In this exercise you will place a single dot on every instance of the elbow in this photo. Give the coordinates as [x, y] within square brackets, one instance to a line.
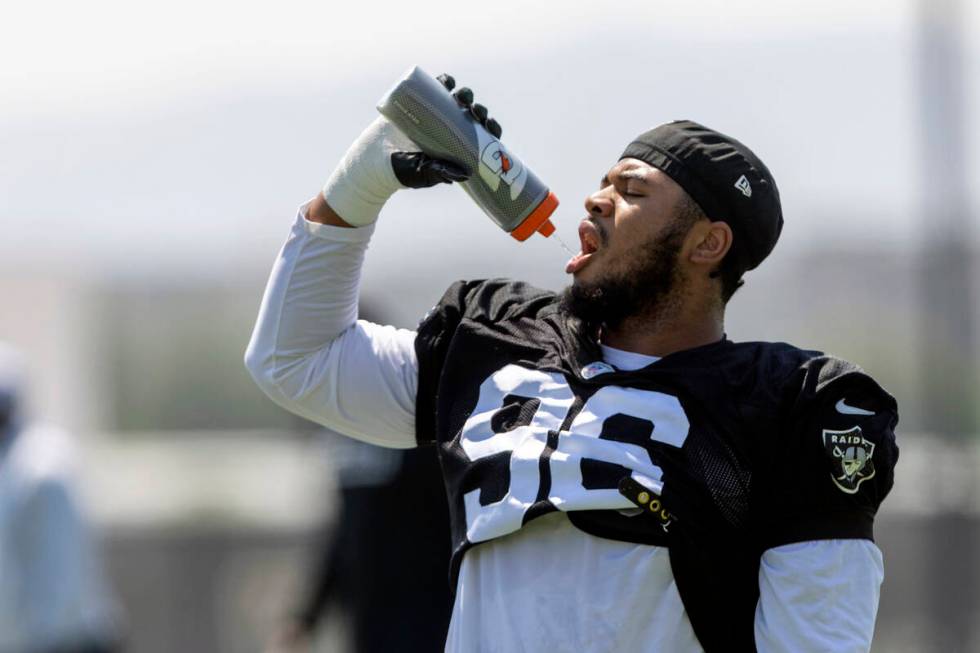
[283, 379]
[260, 363]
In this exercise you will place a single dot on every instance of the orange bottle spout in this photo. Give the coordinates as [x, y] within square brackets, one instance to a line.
[538, 221]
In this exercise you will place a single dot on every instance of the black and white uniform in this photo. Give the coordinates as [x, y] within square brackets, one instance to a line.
[720, 498]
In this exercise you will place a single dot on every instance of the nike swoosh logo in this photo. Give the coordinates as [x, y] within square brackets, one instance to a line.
[844, 409]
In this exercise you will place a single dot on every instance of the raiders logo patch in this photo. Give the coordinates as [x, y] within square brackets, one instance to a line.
[850, 455]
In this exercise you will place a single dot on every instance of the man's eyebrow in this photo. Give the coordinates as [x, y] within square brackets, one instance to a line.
[634, 173]
[630, 173]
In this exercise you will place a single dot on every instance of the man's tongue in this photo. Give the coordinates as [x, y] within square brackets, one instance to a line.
[577, 262]
[589, 235]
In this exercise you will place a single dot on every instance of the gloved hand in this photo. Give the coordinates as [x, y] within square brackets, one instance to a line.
[383, 160]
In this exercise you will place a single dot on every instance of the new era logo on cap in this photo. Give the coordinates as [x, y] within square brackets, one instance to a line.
[743, 185]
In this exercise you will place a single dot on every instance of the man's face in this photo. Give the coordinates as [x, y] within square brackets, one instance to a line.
[630, 245]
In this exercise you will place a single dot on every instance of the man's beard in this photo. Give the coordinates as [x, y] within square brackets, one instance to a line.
[646, 288]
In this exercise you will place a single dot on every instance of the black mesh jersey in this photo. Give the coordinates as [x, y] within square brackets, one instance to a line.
[718, 452]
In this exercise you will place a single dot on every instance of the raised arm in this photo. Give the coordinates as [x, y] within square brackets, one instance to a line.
[309, 353]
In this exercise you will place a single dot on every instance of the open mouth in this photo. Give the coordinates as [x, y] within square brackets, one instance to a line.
[590, 238]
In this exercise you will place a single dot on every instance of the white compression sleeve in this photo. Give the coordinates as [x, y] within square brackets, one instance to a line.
[364, 180]
[311, 355]
[818, 596]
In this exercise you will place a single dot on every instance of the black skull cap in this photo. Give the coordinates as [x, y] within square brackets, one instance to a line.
[726, 179]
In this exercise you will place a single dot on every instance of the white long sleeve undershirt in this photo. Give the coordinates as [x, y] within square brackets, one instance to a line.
[312, 356]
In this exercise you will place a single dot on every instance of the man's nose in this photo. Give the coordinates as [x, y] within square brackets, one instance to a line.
[598, 205]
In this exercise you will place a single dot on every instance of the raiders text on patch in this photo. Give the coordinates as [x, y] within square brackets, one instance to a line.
[850, 454]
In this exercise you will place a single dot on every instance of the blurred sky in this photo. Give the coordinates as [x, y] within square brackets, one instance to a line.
[177, 138]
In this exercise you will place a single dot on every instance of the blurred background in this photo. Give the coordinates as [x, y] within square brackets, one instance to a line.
[152, 156]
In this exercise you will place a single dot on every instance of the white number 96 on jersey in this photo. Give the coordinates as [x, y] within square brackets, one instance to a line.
[559, 449]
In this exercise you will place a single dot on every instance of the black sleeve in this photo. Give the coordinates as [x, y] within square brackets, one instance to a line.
[832, 461]
[489, 311]
[434, 334]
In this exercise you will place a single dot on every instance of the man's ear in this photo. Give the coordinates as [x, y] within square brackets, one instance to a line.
[713, 240]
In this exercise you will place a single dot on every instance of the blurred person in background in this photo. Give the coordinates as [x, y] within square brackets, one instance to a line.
[53, 598]
[384, 560]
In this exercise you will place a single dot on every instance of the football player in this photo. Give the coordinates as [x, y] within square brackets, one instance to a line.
[621, 476]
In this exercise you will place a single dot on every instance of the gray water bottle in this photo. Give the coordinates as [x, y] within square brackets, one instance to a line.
[500, 184]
